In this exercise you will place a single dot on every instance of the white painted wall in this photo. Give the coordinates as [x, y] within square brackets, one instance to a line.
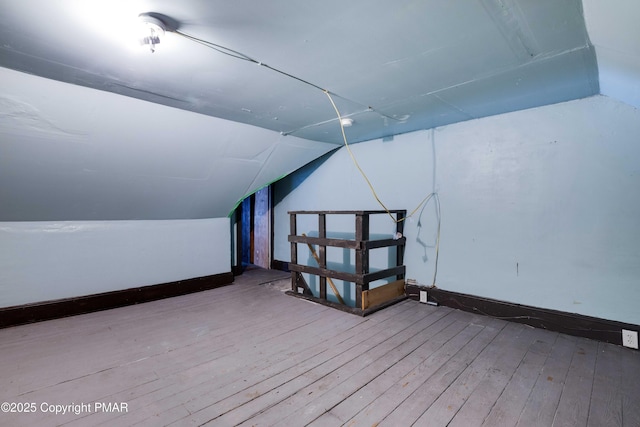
[539, 207]
[42, 261]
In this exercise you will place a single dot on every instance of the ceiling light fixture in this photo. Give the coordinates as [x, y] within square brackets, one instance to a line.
[346, 122]
[152, 29]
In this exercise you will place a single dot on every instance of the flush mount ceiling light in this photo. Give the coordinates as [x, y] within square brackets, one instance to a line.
[152, 30]
[346, 122]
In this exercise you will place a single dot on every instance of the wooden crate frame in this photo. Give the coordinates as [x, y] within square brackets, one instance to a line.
[367, 300]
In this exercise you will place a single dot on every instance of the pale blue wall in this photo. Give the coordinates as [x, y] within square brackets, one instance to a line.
[43, 260]
[539, 207]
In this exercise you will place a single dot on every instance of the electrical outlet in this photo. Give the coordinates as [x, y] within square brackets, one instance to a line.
[423, 296]
[630, 339]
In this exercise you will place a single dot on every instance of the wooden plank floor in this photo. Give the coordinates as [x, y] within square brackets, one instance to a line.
[247, 354]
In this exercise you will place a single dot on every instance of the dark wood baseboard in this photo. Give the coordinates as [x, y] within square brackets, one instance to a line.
[47, 310]
[568, 323]
[280, 265]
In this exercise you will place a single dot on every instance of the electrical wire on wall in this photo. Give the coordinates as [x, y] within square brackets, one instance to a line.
[422, 204]
[433, 195]
[436, 201]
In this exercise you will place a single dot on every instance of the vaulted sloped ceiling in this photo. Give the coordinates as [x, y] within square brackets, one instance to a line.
[70, 153]
[394, 66]
[73, 148]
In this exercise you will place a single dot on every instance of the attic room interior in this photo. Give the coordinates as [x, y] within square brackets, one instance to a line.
[320, 213]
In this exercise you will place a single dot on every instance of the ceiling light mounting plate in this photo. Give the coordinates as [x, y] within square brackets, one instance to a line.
[346, 122]
[152, 30]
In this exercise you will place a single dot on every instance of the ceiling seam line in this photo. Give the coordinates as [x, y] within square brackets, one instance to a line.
[540, 58]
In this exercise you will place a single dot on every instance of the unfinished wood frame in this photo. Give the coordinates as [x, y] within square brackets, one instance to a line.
[366, 300]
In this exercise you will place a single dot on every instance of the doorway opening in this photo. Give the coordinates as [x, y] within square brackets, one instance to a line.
[254, 225]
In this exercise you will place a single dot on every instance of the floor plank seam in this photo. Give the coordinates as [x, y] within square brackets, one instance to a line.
[441, 345]
[247, 354]
[329, 372]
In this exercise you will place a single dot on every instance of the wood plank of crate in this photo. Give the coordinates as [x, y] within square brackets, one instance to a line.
[393, 211]
[294, 251]
[338, 243]
[382, 294]
[349, 277]
[400, 219]
[338, 275]
[362, 255]
[322, 257]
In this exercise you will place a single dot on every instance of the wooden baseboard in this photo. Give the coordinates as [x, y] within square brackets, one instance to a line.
[568, 323]
[280, 265]
[29, 313]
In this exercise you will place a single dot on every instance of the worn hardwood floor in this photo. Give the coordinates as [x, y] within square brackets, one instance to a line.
[247, 354]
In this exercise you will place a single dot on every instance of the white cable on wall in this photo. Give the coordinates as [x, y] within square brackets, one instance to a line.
[434, 195]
